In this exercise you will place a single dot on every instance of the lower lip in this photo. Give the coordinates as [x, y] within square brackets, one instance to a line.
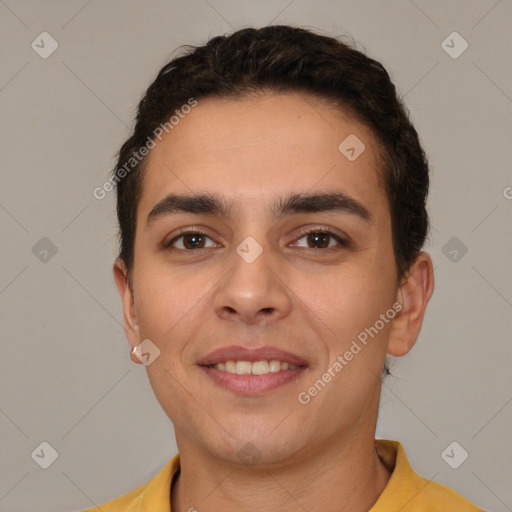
[252, 384]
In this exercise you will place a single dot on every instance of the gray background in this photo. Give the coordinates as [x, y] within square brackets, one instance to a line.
[65, 372]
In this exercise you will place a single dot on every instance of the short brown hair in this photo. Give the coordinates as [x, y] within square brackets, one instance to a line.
[283, 58]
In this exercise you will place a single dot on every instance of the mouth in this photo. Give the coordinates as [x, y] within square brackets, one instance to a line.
[253, 368]
[252, 371]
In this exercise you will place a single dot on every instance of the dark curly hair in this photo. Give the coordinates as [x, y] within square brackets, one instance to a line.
[284, 59]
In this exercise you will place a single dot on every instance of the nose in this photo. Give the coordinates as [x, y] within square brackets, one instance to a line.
[253, 292]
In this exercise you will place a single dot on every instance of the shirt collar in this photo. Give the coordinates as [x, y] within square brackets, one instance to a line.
[402, 487]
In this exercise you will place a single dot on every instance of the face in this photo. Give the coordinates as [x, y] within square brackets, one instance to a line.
[264, 278]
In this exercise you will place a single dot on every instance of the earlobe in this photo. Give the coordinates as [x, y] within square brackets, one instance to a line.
[413, 295]
[131, 326]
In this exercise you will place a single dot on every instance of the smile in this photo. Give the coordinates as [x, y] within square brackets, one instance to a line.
[252, 378]
[252, 371]
[253, 368]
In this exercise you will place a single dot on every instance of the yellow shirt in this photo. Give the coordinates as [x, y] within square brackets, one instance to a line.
[406, 491]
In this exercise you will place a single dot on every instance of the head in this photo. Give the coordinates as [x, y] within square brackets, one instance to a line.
[290, 156]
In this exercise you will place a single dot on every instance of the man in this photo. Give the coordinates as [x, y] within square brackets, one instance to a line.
[271, 202]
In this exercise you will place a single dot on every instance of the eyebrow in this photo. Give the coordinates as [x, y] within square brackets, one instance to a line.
[212, 204]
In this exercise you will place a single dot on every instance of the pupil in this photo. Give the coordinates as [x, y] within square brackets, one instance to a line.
[194, 239]
[319, 239]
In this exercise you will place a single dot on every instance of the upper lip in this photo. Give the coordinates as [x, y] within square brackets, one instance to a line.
[238, 353]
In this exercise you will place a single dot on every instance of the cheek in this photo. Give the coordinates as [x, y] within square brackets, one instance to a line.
[348, 300]
[165, 299]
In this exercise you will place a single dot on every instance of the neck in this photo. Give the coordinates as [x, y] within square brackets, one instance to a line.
[346, 475]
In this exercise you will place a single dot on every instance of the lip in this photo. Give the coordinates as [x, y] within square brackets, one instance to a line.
[238, 353]
[251, 384]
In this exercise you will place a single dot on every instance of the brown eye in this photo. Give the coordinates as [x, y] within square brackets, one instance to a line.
[189, 241]
[320, 239]
[193, 241]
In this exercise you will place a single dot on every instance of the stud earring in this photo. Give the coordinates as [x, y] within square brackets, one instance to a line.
[133, 356]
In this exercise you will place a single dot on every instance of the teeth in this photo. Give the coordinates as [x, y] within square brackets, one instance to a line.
[274, 366]
[256, 368]
[243, 367]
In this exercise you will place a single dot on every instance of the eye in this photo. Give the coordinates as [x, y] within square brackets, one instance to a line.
[189, 241]
[321, 239]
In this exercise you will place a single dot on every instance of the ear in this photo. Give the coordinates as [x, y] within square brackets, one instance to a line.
[413, 294]
[131, 326]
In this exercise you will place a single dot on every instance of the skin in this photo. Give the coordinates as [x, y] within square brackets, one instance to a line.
[295, 296]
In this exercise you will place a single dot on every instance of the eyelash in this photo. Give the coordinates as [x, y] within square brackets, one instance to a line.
[342, 242]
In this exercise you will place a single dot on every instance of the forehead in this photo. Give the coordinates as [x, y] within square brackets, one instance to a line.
[250, 148]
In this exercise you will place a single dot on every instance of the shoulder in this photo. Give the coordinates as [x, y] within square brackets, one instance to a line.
[408, 491]
[153, 495]
[129, 502]
[434, 497]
